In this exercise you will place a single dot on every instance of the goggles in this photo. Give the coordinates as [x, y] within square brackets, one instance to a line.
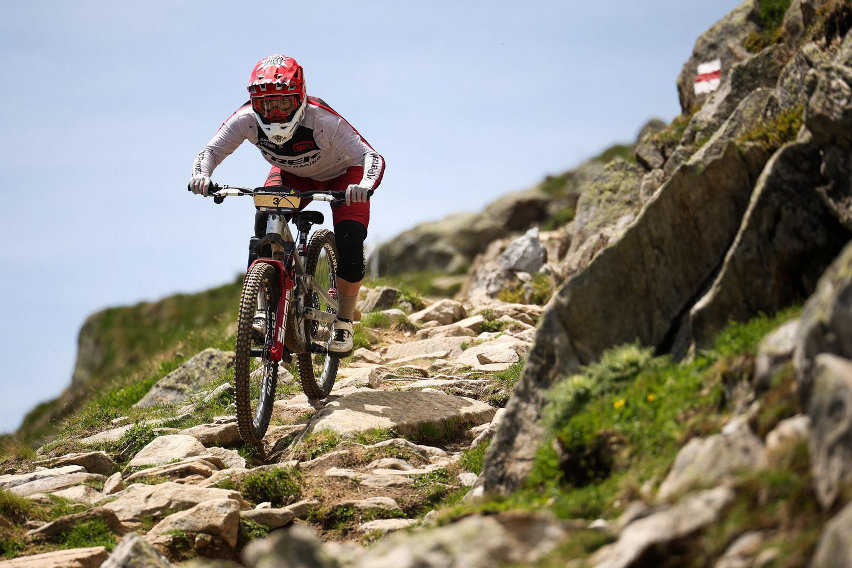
[276, 108]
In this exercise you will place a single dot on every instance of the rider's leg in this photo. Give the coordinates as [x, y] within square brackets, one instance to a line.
[349, 238]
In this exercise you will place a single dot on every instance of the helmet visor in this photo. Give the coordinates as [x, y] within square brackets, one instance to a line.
[276, 108]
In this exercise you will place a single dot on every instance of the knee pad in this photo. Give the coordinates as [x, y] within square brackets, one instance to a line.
[349, 239]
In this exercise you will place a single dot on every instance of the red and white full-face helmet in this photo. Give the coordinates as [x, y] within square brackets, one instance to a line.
[277, 90]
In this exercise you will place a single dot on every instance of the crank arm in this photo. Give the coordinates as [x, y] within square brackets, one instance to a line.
[316, 315]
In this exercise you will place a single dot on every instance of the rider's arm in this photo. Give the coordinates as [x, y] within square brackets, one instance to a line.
[353, 144]
[230, 135]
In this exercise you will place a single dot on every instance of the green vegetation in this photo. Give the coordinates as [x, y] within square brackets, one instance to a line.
[537, 291]
[374, 436]
[623, 151]
[504, 384]
[617, 426]
[251, 530]
[279, 486]
[556, 185]
[128, 349]
[559, 219]
[318, 443]
[413, 285]
[670, 136]
[771, 15]
[95, 532]
[772, 134]
[381, 320]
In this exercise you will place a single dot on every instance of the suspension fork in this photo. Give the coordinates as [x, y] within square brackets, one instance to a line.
[285, 284]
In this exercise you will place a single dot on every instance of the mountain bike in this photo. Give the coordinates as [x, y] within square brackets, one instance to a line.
[288, 304]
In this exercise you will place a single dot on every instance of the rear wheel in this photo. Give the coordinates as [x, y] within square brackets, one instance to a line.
[317, 369]
[255, 373]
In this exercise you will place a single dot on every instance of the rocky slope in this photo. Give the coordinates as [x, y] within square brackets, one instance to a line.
[646, 428]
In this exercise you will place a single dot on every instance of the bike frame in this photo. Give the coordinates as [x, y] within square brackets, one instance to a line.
[291, 271]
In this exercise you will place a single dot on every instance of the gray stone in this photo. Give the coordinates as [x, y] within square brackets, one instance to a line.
[215, 434]
[164, 449]
[294, 547]
[774, 351]
[723, 41]
[217, 517]
[135, 552]
[524, 254]
[787, 240]
[187, 379]
[706, 461]
[93, 462]
[46, 480]
[387, 525]
[269, 517]
[444, 312]
[380, 298]
[141, 501]
[473, 542]
[676, 244]
[833, 550]
[830, 411]
[408, 413]
[659, 529]
[91, 557]
[826, 323]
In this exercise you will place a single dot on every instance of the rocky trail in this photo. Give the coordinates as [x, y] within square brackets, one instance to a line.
[391, 441]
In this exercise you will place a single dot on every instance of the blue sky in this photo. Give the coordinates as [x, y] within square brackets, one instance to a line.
[104, 105]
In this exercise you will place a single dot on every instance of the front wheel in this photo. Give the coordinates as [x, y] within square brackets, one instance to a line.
[317, 369]
[255, 373]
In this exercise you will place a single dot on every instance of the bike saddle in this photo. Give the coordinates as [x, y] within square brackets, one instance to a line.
[311, 217]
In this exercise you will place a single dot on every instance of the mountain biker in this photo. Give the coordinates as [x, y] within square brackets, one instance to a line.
[310, 148]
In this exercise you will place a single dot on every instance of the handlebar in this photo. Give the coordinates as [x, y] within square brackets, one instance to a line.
[219, 192]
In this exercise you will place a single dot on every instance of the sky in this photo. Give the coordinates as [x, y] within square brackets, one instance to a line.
[104, 105]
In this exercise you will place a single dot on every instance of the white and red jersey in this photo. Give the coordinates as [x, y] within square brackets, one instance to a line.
[323, 147]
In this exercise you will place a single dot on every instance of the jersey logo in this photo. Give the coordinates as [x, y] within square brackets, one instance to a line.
[304, 146]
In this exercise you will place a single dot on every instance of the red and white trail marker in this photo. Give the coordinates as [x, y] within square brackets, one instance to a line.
[708, 77]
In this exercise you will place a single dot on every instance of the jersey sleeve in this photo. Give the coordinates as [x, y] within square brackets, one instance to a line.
[354, 147]
[227, 139]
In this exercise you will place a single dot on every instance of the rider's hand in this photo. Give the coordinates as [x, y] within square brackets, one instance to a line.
[356, 194]
[199, 184]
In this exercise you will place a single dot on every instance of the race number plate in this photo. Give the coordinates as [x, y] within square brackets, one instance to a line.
[276, 201]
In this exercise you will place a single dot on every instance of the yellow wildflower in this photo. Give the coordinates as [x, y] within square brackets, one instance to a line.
[651, 397]
[618, 403]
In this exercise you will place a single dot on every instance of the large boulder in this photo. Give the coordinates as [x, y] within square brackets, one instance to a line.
[634, 290]
[787, 239]
[178, 385]
[723, 42]
[611, 202]
[452, 243]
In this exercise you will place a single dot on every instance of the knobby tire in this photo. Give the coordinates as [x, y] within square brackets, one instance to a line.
[255, 388]
[321, 263]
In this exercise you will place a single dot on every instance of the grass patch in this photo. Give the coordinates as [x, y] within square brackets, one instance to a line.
[537, 291]
[95, 532]
[374, 436]
[771, 15]
[504, 384]
[131, 442]
[279, 486]
[670, 136]
[560, 218]
[318, 443]
[251, 530]
[15, 450]
[771, 135]
[382, 320]
[619, 423]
